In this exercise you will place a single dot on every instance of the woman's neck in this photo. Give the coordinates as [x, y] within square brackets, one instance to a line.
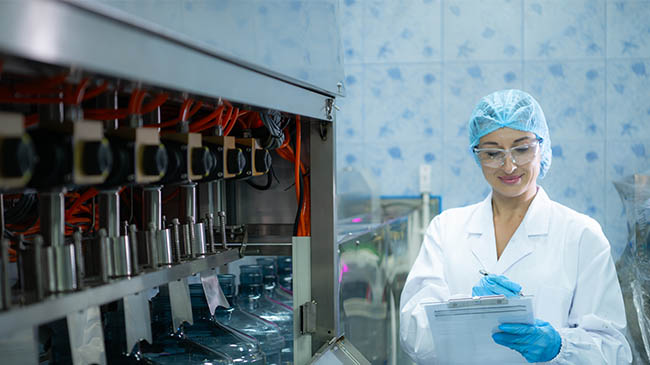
[505, 206]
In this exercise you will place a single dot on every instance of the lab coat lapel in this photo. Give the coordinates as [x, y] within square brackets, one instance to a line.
[523, 242]
[480, 231]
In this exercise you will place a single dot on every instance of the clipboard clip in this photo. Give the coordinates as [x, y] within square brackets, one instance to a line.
[476, 301]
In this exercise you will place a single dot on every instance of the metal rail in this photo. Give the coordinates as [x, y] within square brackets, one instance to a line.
[57, 307]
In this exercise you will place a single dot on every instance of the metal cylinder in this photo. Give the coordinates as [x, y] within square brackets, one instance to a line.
[176, 240]
[220, 195]
[104, 253]
[109, 207]
[186, 240]
[209, 229]
[133, 241]
[52, 213]
[122, 265]
[5, 294]
[50, 269]
[187, 206]
[66, 268]
[222, 228]
[152, 201]
[38, 267]
[79, 259]
[198, 240]
[152, 246]
[165, 247]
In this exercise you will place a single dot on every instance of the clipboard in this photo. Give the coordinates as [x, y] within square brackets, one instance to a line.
[462, 328]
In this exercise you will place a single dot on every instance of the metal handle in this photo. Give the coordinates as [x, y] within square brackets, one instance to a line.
[79, 259]
[176, 237]
[38, 268]
[133, 241]
[103, 255]
[222, 227]
[209, 219]
[152, 245]
[4, 274]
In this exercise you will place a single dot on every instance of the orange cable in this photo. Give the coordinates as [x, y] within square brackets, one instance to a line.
[232, 122]
[96, 91]
[159, 100]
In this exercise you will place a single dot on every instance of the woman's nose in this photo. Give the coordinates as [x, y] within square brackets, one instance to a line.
[508, 165]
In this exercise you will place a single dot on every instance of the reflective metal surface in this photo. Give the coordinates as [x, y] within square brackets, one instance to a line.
[86, 336]
[19, 347]
[298, 40]
[137, 319]
[52, 217]
[109, 218]
[72, 35]
[59, 306]
[179, 297]
[198, 242]
[324, 255]
[301, 255]
[165, 247]
[122, 265]
[152, 197]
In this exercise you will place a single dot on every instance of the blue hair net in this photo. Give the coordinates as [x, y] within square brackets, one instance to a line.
[512, 109]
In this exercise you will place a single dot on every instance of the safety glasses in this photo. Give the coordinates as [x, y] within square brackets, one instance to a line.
[519, 155]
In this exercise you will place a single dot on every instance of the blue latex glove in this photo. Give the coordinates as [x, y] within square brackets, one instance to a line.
[537, 343]
[496, 285]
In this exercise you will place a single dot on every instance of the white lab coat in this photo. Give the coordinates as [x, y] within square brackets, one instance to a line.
[557, 254]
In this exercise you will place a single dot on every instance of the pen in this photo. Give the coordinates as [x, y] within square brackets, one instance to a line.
[485, 273]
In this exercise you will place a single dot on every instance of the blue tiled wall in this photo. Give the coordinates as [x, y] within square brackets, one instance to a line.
[416, 68]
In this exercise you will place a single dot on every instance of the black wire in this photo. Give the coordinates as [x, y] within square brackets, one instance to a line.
[267, 186]
[300, 201]
[294, 184]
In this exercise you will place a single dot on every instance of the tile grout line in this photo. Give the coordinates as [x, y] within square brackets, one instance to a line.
[442, 95]
[605, 180]
[364, 144]
[523, 42]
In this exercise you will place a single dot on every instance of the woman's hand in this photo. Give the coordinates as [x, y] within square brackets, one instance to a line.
[537, 342]
[496, 285]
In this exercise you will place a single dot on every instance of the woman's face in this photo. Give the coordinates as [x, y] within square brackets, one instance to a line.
[511, 180]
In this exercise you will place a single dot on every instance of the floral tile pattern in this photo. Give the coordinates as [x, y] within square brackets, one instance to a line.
[556, 29]
[418, 67]
[471, 35]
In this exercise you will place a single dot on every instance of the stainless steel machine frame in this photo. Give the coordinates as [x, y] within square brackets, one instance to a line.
[72, 35]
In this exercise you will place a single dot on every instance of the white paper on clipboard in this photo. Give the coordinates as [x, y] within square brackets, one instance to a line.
[462, 328]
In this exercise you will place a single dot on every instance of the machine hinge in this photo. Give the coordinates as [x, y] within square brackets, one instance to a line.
[329, 108]
[308, 318]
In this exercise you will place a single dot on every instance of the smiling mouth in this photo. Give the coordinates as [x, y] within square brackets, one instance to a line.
[510, 179]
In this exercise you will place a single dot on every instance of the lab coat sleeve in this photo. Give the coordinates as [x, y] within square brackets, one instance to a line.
[426, 281]
[597, 315]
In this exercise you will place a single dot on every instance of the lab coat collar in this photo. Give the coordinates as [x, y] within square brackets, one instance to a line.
[536, 222]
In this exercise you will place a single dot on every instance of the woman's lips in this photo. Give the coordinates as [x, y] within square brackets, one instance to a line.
[510, 180]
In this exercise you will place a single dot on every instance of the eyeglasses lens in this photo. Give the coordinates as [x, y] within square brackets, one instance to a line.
[495, 157]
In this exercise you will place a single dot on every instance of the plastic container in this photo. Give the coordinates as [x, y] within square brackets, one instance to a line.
[176, 350]
[267, 334]
[270, 279]
[241, 348]
[285, 270]
[251, 299]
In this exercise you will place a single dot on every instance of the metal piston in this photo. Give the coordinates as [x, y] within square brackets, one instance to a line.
[121, 250]
[165, 256]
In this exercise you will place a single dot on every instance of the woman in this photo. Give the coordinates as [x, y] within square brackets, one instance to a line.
[528, 243]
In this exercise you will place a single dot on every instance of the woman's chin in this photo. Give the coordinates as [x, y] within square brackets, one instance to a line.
[510, 190]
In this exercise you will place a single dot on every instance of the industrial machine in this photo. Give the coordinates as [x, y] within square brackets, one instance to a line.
[142, 143]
